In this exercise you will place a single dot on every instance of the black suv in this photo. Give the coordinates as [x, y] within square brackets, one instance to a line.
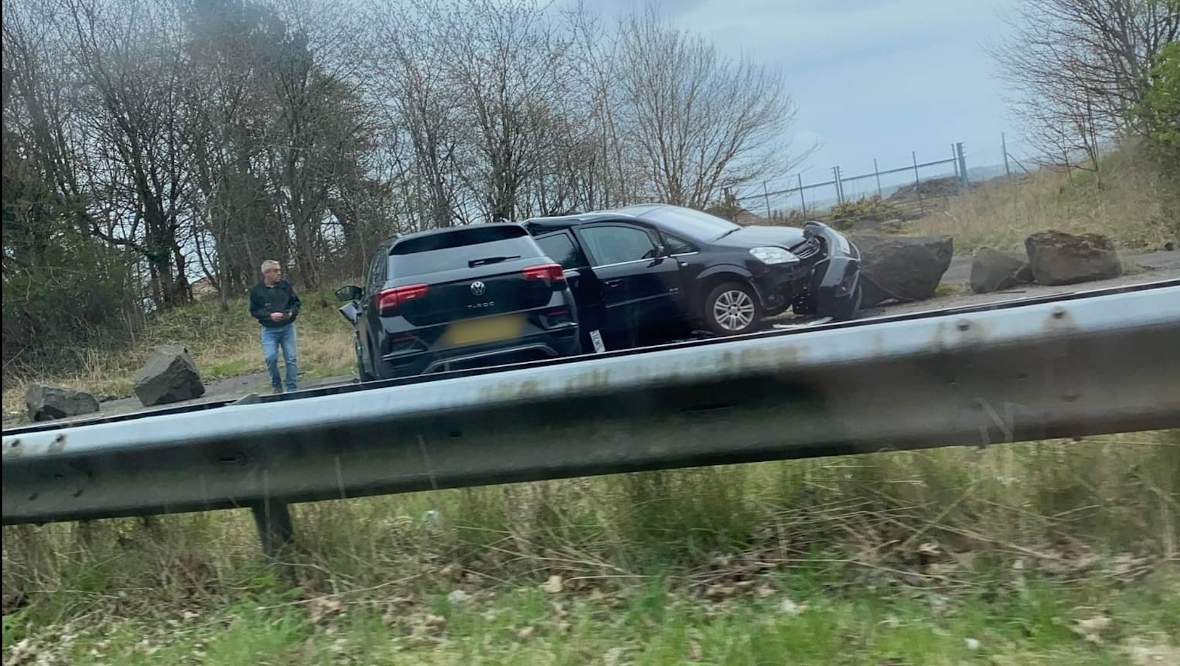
[647, 273]
[459, 298]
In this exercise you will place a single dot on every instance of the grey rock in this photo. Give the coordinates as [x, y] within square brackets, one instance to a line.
[902, 268]
[170, 375]
[993, 271]
[1056, 257]
[48, 402]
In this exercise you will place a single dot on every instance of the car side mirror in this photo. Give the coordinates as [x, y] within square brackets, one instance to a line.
[660, 256]
[349, 293]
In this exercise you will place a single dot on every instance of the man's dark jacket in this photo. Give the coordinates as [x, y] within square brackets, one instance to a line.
[277, 298]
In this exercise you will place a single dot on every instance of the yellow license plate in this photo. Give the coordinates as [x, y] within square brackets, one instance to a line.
[484, 330]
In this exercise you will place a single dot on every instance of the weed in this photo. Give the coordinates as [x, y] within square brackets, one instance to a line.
[1128, 207]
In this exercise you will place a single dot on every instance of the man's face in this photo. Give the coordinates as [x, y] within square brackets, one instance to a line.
[273, 275]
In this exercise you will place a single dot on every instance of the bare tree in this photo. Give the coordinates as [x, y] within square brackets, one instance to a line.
[408, 61]
[507, 63]
[134, 122]
[699, 122]
[231, 107]
[1078, 68]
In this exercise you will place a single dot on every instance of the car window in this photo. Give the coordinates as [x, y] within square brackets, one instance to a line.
[676, 245]
[460, 248]
[560, 248]
[377, 270]
[616, 244]
[691, 223]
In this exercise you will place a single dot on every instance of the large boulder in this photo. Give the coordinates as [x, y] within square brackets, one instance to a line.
[169, 376]
[993, 271]
[902, 268]
[49, 402]
[1055, 257]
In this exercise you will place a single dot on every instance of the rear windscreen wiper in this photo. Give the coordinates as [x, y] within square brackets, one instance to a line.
[489, 260]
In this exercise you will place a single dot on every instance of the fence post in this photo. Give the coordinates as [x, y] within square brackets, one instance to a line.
[836, 179]
[962, 155]
[918, 183]
[877, 173]
[802, 199]
[1004, 147]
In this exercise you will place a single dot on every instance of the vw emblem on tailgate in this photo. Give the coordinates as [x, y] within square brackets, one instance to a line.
[478, 288]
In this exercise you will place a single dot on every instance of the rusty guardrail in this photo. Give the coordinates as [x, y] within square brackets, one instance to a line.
[1083, 365]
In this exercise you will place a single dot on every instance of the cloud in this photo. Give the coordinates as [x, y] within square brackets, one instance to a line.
[815, 33]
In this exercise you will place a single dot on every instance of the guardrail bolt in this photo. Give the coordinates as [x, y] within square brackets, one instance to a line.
[964, 325]
[1059, 312]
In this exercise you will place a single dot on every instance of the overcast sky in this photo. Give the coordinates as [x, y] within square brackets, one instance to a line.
[870, 78]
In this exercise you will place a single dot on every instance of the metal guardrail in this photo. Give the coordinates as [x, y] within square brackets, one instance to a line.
[1001, 373]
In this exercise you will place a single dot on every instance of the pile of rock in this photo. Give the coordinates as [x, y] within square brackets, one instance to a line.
[901, 268]
[170, 375]
[51, 402]
[1053, 258]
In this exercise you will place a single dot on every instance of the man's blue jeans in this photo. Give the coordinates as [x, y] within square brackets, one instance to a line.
[272, 339]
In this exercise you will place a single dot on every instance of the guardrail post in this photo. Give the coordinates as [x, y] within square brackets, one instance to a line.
[275, 529]
[272, 517]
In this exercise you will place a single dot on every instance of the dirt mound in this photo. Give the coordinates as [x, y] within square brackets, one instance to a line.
[934, 188]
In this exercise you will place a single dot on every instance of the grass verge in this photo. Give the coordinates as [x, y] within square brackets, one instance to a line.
[223, 343]
[796, 622]
[1039, 553]
[1127, 204]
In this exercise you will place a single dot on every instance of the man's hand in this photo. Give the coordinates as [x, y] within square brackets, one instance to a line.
[277, 316]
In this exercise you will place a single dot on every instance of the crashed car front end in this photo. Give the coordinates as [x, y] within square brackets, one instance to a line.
[822, 278]
[834, 288]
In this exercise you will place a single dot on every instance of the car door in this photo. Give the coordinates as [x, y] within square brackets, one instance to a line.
[642, 290]
[368, 323]
[563, 248]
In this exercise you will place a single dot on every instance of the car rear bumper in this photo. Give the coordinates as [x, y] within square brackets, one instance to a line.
[556, 342]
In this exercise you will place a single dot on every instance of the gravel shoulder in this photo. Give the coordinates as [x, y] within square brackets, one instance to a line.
[962, 296]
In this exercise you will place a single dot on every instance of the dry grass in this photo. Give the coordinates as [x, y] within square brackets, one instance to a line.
[1127, 206]
[884, 558]
[223, 344]
[940, 518]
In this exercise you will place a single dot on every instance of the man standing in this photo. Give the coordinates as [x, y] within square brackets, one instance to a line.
[274, 304]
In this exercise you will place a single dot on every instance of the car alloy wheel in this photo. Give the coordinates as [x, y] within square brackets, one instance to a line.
[732, 309]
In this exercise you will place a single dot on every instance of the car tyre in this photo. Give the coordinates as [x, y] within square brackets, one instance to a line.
[733, 308]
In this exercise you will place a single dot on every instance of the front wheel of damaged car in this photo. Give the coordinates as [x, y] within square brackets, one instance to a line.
[732, 308]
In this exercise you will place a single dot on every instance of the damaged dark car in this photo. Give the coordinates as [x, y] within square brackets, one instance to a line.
[648, 273]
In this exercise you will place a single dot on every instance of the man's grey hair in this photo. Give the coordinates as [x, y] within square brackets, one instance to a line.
[269, 264]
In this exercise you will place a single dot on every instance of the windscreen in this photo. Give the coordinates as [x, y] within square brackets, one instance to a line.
[692, 223]
[461, 248]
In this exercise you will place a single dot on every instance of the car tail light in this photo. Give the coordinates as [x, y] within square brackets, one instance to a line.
[389, 299]
[551, 272]
[555, 317]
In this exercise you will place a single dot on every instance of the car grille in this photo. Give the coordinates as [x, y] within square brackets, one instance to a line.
[807, 249]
